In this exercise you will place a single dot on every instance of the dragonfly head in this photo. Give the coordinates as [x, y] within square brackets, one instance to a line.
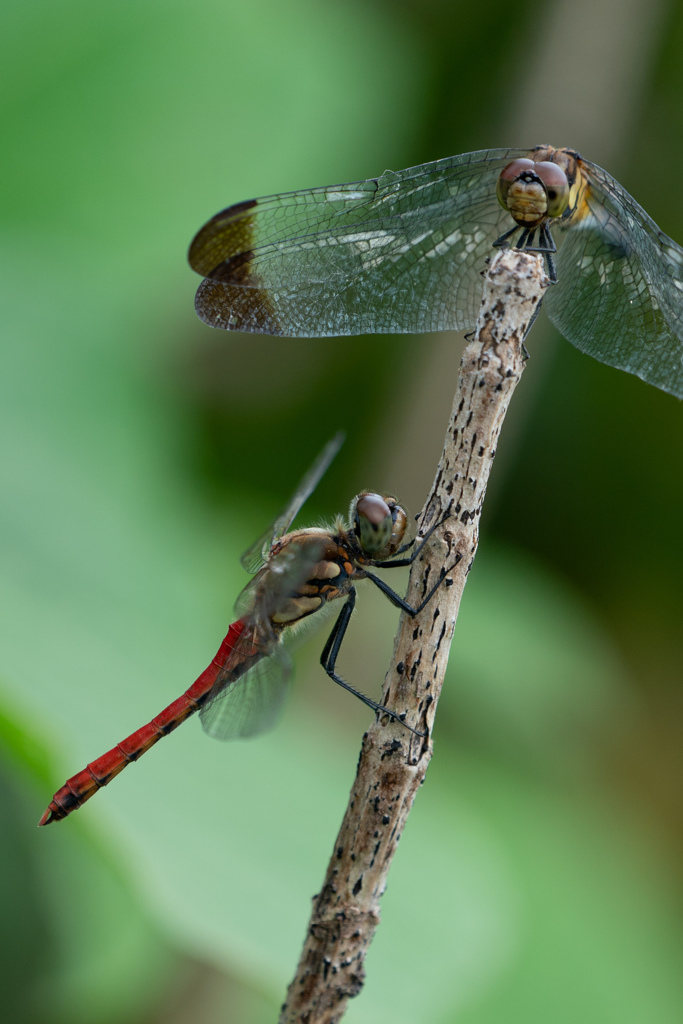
[378, 523]
[533, 191]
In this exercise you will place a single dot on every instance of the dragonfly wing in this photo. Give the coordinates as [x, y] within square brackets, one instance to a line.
[619, 293]
[255, 556]
[252, 703]
[249, 691]
[396, 254]
[279, 580]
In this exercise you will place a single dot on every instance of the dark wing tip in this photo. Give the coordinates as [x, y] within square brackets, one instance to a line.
[228, 234]
[233, 308]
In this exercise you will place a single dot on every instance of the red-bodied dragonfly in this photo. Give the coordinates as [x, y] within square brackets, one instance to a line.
[403, 252]
[241, 693]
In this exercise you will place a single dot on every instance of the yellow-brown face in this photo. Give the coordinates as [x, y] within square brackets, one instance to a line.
[378, 523]
[533, 191]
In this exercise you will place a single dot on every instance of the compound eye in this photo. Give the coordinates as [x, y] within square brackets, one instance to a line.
[374, 523]
[556, 185]
[509, 175]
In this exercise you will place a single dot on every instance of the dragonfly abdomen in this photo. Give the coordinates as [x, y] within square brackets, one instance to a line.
[98, 773]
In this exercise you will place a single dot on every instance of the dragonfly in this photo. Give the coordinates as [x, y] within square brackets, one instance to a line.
[403, 253]
[295, 575]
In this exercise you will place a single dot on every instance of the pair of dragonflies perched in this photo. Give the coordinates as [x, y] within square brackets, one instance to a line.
[396, 254]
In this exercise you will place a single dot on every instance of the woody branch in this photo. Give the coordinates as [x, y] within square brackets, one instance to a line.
[393, 761]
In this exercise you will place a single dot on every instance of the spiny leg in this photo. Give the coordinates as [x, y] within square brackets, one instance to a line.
[526, 239]
[552, 273]
[546, 245]
[328, 660]
[397, 600]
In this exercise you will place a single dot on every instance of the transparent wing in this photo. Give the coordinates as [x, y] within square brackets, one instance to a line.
[279, 581]
[619, 294]
[396, 254]
[253, 702]
[256, 555]
[248, 694]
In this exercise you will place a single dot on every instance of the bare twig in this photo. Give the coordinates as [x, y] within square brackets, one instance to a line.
[393, 762]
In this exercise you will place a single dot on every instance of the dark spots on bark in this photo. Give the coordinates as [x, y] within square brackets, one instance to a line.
[358, 886]
[438, 643]
[388, 751]
[386, 819]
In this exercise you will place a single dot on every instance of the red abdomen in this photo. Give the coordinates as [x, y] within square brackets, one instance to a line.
[98, 773]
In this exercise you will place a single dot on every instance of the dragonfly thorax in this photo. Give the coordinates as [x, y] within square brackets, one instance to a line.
[378, 523]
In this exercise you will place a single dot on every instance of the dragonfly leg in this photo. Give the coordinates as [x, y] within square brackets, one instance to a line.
[546, 241]
[526, 333]
[406, 546]
[500, 242]
[397, 600]
[395, 563]
[546, 245]
[552, 273]
[328, 660]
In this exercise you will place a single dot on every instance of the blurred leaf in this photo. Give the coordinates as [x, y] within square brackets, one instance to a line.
[532, 675]
[75, 944]
[126, 127]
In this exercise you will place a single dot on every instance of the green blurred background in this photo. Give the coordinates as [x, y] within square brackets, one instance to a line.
[540, 876]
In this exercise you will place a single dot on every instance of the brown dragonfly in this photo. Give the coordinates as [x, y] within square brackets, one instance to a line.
[403, 253]
[297, 574]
